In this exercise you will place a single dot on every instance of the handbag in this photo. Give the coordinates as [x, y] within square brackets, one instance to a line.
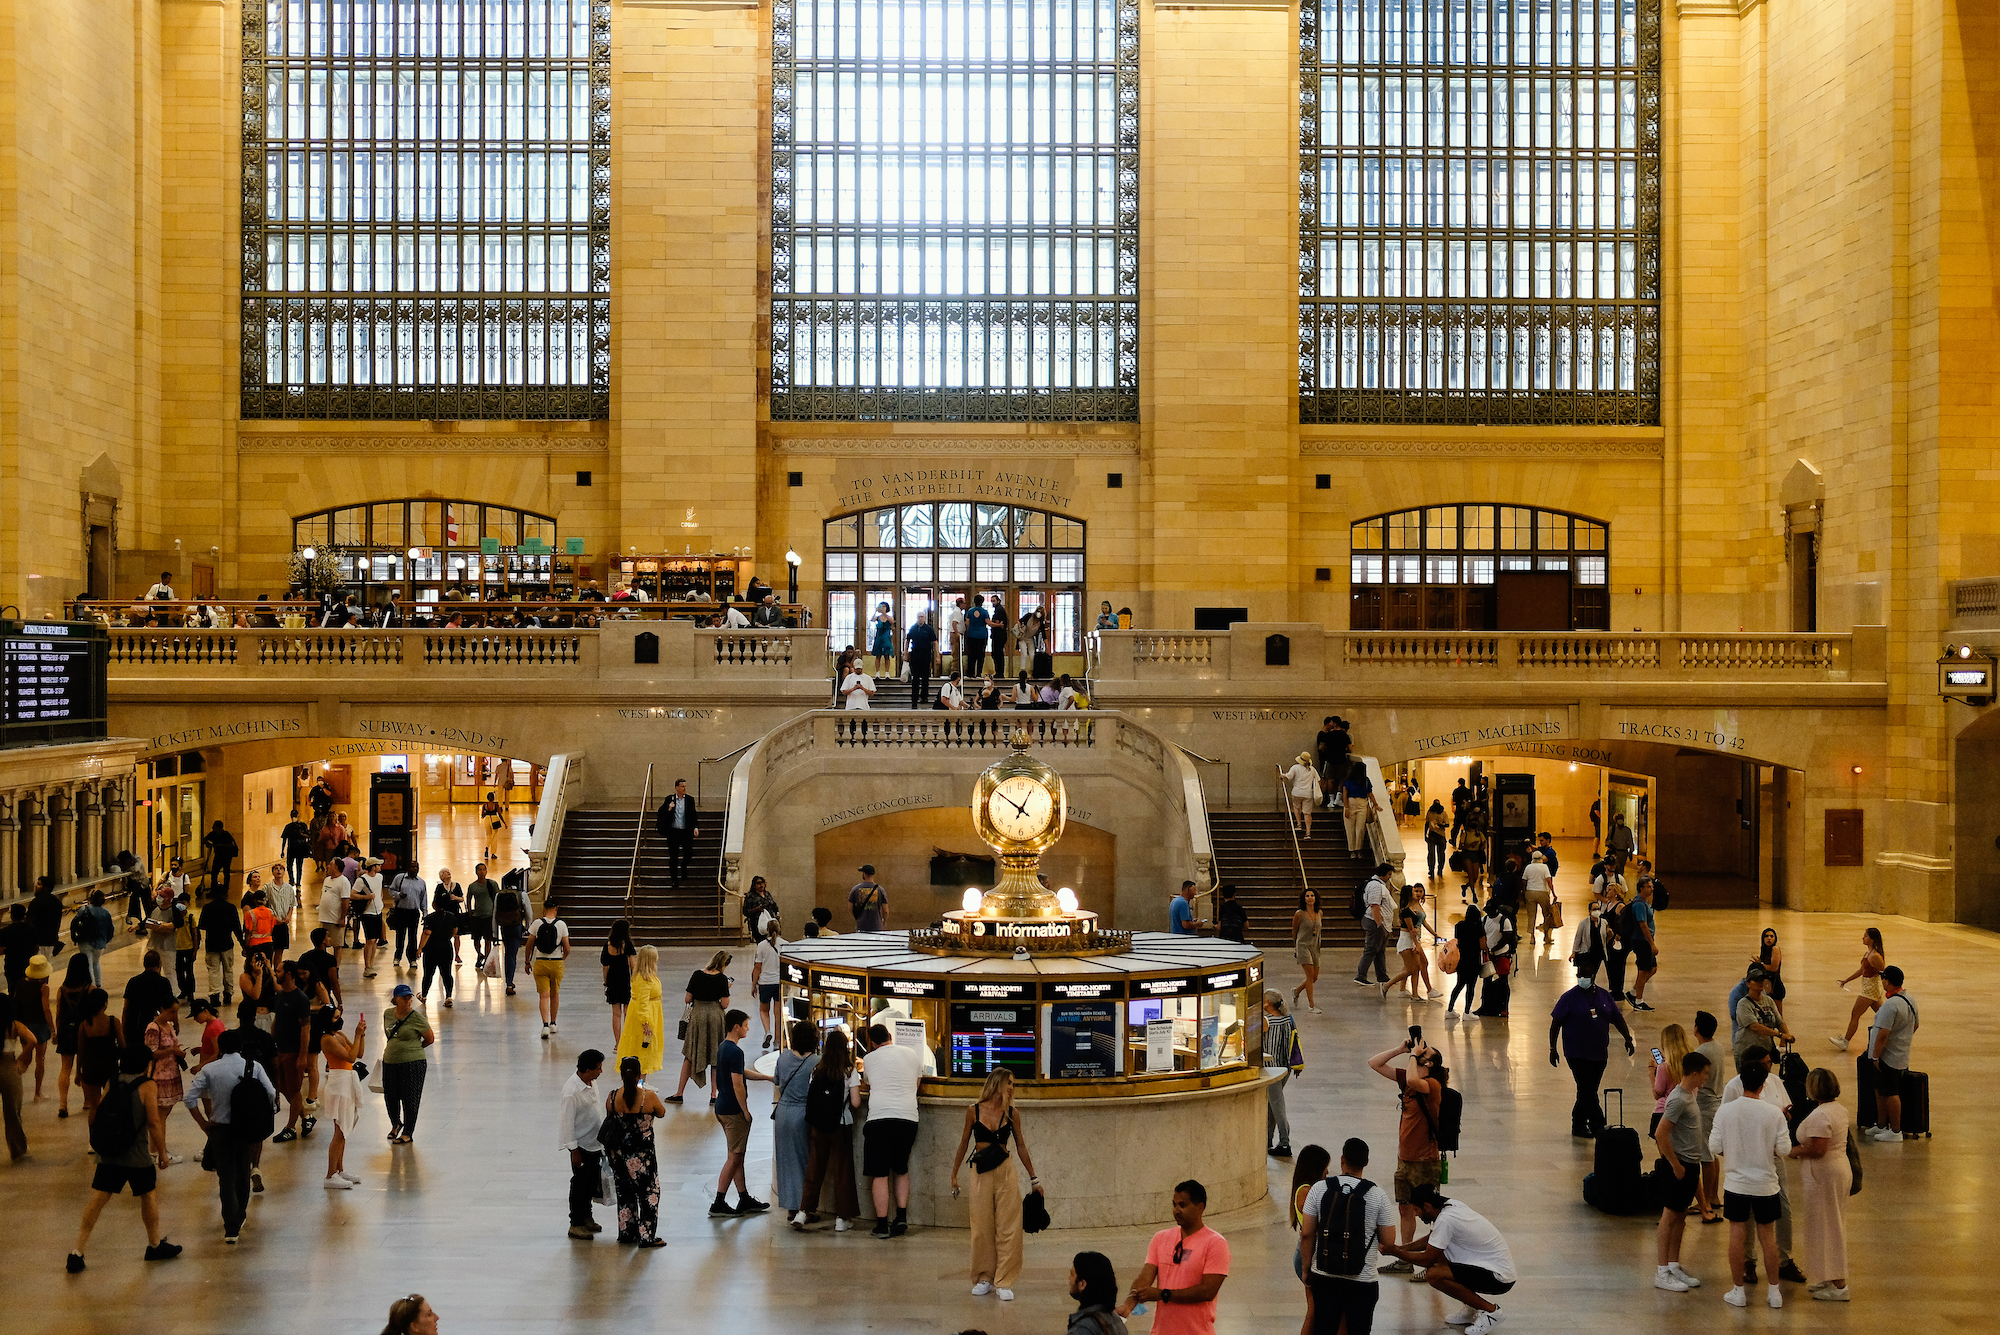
[1486, 969]
[1034, 1213]
[1555, 910]
[1449, 960]
[1853, 1164]
[682, 1033]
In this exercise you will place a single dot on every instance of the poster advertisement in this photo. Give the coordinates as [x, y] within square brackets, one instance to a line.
[1211, 1041]
[1159, 1045]
[910, 1034]
[1083, 1040]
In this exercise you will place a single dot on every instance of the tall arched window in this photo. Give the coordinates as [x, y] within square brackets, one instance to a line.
[1479, 211]
[955, 210]
[1458, 567]
[427, 550]
[427, 209]
[919, 558]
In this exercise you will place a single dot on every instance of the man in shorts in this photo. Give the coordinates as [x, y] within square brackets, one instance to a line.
[291, 1026]
[1683, 1145]
[1750, 1134]
[1464, 1257]
[477, 921]
[1421, 1090]
[1889, 1045]
[366, 899]
[732, 1110]
[889, 1077]
[548, 951]
[131, 1165]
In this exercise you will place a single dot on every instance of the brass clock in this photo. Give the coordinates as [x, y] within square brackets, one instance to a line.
[1018, 808]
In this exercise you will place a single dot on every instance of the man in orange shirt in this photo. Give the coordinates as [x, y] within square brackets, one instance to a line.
[1184, 1270]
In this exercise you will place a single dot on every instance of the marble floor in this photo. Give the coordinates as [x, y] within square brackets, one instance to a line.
[472, 1214]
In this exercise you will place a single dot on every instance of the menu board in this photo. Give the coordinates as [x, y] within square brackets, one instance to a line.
[987, 1036]
[54, 682]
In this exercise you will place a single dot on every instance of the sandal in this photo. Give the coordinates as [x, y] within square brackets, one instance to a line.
[402, 1140]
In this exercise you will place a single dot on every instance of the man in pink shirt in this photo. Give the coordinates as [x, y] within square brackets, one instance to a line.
[1184, 1270]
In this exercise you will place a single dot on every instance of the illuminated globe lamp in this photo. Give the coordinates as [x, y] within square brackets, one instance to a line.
[1018, 809]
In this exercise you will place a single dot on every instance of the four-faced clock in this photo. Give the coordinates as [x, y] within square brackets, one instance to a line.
[1020, 809]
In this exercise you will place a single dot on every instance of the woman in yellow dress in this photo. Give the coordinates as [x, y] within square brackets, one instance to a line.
[645, 1032]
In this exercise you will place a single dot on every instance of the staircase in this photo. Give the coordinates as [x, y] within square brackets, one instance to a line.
[1253, 852]
[594, 861]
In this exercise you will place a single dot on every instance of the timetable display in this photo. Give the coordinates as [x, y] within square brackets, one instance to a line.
[989, 1037]
[54, 682]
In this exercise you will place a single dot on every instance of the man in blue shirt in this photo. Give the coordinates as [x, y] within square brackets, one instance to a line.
[228, 1153]
[1637, 929]
[1545, 844]
[1180, 913]
[1583, 1018]
[732, 1110]
[976, 621]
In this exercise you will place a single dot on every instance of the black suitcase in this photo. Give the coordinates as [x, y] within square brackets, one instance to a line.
[1617, 1182]
[1916, 1098]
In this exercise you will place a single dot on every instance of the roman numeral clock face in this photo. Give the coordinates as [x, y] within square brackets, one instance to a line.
[1020, 809]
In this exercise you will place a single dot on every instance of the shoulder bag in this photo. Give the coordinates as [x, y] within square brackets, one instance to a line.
[992, 1154]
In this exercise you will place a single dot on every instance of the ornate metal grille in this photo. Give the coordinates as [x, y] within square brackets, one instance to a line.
[1479, 211]
[426, 209]
[955, 210]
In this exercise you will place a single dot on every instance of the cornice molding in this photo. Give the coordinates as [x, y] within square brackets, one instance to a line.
[891, 445]
[1714, 9]
[1483, 449]
[433, 444]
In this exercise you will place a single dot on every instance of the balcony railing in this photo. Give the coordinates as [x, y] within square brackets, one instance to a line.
[1488, 656]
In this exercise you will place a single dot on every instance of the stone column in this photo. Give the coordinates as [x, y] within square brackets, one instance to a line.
[90, 832]
[10, 846]
[35, 833]
[119, 809]
[62, 840]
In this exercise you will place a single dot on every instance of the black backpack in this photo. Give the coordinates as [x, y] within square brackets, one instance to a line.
[547, 940]
[1357, 906]
[116, 1123]
[825, 1100]
[1451, 1114]
[1341, 1247]
[251, 1116]
[1231, 920]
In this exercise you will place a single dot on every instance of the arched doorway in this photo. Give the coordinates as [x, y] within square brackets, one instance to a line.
[919, 558]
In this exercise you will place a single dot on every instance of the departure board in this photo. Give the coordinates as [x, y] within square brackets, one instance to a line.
[54, 682]
[988, 1037]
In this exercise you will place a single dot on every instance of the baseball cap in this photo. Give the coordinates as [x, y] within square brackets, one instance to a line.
[402, 990]
[867, 869]
[1758, 974]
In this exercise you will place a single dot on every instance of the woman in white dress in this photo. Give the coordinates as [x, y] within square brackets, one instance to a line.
[340, 1098]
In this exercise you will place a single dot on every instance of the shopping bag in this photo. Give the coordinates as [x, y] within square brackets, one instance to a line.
[607, 1189]
[493, 954]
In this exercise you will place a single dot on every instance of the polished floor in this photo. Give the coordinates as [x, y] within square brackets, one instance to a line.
[472, 1215]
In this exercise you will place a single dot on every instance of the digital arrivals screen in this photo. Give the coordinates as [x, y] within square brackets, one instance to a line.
[993, 1037]
[54, 682]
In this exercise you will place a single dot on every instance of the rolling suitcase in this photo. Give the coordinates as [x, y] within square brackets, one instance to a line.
[1616, 1184]
[1917, 1104]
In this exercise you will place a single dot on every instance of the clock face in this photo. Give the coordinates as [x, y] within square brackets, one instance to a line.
[1020, 808]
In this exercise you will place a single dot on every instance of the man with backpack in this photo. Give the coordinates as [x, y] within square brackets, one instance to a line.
[235, 1103]
[1344, 1227]
[510, 919]
[550, 952]
[222, 850]
[126, 1133]
[1231, 922]
[1418, 1162]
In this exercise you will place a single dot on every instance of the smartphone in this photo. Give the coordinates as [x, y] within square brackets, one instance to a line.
[1658, 1060]
[1416, 1033]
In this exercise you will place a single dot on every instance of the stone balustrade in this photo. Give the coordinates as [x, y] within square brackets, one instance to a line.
[1376, 657]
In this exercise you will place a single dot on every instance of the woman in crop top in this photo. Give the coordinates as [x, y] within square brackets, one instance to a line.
[996, 1187]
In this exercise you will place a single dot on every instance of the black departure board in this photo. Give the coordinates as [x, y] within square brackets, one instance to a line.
[54, 682]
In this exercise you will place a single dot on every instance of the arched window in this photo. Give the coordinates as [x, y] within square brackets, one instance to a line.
[919, 558]
[955, 210]
[428, 550]
[1479, 228]
[1475, 567]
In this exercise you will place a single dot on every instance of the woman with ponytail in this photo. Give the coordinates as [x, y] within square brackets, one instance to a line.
[627, 1137]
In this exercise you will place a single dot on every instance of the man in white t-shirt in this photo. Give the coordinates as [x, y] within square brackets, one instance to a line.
[1463, 1256]
[1538, 897]
[764, 974]
[1751, 1136]
[889, 1075]
[856, 688]
[367, 900]
[1336, 1297]
[1375, 900]
[1778, 1097]
[334, 892]
[733, 618]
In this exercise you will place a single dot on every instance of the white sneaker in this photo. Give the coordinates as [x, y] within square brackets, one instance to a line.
[337, 1183]
[1488, 1321]
[841, 1226]
[349, 1176]
[1462, 1318]
[1005, 1295]
[1829, 1294]
[982, 1288]
[1735, 1297]
[1840, 1043]
[546, 1031]
[1886, 1134]
[1665, 1278]
[1315, 1010]
[1774, 1296]
[1683, 1276]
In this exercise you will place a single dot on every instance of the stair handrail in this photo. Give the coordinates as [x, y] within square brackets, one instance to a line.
[546, 836]
[1228, 797]
[1291, 825]
[700, 786]
[639, 834]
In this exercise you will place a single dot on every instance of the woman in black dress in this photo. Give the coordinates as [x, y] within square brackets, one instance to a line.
[616, 957]
[70, 999]
[435, 945]
[98, 1040]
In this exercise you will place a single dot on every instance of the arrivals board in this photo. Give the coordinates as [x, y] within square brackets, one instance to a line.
[54, 681]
